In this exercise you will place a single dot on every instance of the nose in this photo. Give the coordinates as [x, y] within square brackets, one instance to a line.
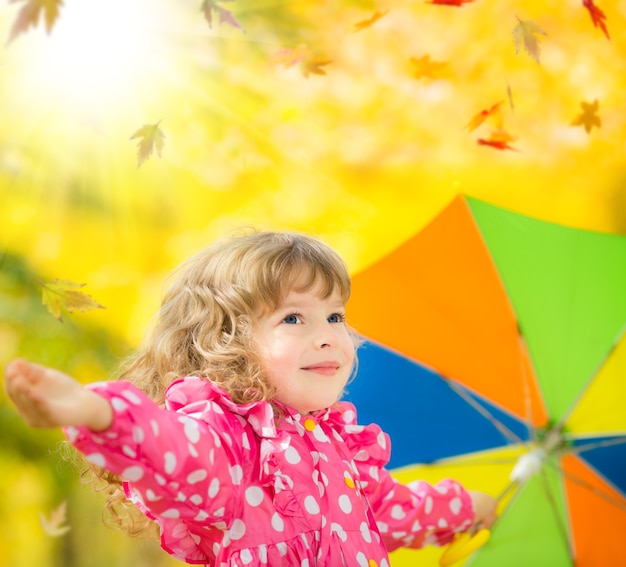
[326, 336]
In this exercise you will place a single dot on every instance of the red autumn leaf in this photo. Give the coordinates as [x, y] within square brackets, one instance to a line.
[370, 21]
[478, 119]
[210, 9]
[597, 16]
[588, 118]
[450, 2]
[29, 14]
[499, 140]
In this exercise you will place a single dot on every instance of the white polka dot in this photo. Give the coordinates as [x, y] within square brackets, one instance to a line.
[236, 474]
[365, 532]
[97, 459]
[362, 455]
[201, 516]
[197, 476]
[214, 488]
[305, 563]
[456, 505]
[349, 416]
[171, 513]
[428, 505]
[170, 462]
[245, 556]
[292, 456]
[192, 450]
[311, 505]
[442, 523]
[397, 513]
[129, 451]
[192, 432]
[374, 472]
[179, 531]
[160, 480]
[155, 427]
[254, 495]
[416, 527]
[118, 404]
[282, 548]
[320, 435]
[383, 527]
[345, 504]
[196, 499]
[277, 522]
[382, 440]
[131, 397]
[383, 563]
[132, 474]
[337, 529]
[71, 433]
[237, 530]
[245, 442]
[138, 434]
[361, 559]
[152, 496]
[441, 489]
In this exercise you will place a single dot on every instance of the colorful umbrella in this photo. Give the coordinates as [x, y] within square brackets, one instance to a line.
[491, 336]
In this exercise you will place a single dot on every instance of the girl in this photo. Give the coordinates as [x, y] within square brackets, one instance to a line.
[226, 430]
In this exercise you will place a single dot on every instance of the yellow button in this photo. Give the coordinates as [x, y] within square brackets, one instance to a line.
[349, 482]
[372, 563]
[309, 424]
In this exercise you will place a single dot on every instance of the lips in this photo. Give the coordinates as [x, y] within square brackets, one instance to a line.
[327, 368]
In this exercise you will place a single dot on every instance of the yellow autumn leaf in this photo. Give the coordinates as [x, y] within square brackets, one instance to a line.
[151, 138]
[425, 67]
[526, 32]
[29, 15]
[61, 295]
[55, 525]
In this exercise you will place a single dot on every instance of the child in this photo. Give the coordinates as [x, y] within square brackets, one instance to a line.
[226, 428]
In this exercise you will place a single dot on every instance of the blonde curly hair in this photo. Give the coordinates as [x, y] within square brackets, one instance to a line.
[204, 325]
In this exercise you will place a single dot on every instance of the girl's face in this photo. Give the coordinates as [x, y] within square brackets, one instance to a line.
[306, 349]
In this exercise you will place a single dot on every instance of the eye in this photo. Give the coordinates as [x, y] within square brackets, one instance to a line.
[337, 318]
[292, 319]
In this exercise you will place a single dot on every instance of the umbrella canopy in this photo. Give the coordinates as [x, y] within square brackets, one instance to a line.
[489, 335]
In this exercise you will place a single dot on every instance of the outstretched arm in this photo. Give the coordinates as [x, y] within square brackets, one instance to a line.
[47, 398]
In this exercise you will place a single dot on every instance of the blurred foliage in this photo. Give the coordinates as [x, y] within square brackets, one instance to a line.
[362, 156]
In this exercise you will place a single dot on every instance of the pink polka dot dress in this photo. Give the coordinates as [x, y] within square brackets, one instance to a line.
[230, 485]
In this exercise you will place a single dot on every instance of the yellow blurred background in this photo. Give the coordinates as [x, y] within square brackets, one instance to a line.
[362, 156]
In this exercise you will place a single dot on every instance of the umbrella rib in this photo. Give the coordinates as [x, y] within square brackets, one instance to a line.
[604, 360]
[595, 445]
[595, 490]
[510, 435]
[526, 385]
[555, 511]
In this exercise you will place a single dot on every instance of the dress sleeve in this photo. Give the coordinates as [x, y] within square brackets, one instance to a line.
[408, 515]
[175, 466]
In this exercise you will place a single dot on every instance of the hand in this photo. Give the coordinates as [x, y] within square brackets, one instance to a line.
[47, 398]
[485, 507]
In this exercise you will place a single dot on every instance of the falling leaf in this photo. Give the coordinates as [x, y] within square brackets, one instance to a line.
[64, 294]
[597, 16]
[450, 2]
[54, 526]
[588, 117]
[29, 14]
[370, 21]
[499, 139]
[210, 9]
[289, 57]
[479, 118]
[509, 94]
[525, 31]
[313, 66]
[424, 67]
[152, 138]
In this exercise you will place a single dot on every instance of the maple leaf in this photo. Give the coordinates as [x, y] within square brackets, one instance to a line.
[588, 117]
[525, 31]
[509, 94]
[64, 294]
[597, 16]
[210, 9]
[289, 57]
[313, 66]
[370, 21]
[152, 138]
[457, 3]
[54, 526]
[425, 67]
[29, 14]
[499, 139]
[478, 119]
